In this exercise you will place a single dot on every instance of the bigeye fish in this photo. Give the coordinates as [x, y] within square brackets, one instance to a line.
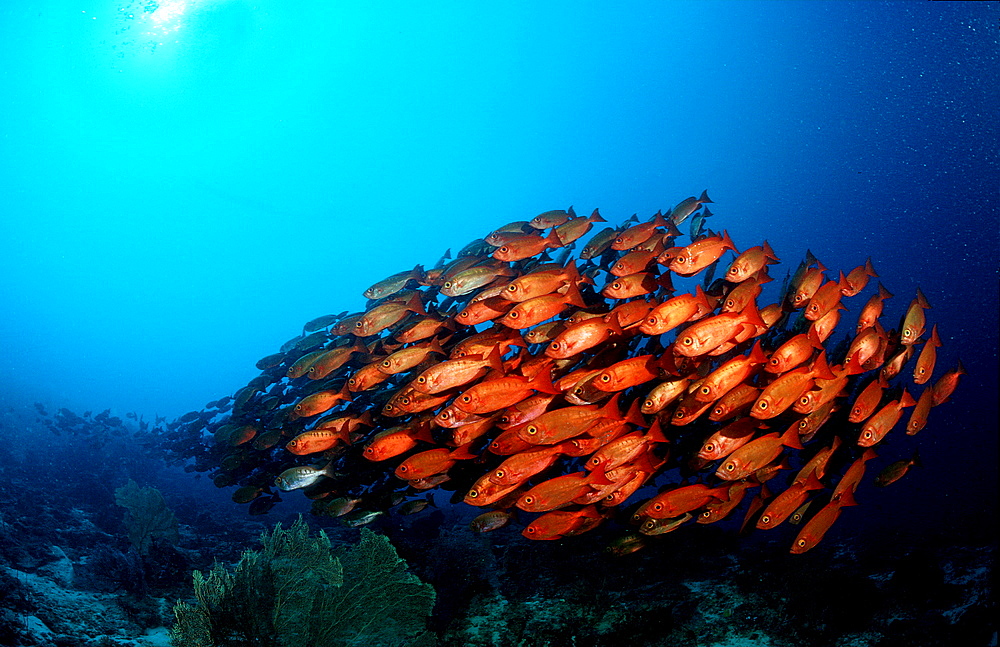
[296, 478]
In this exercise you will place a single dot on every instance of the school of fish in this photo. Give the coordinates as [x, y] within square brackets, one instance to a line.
[562, 393]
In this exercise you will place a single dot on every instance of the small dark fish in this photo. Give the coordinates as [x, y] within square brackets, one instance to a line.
[897, 470]
[263, 505]
[413, 507]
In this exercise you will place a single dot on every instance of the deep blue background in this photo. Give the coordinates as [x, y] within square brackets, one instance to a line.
[184, 184]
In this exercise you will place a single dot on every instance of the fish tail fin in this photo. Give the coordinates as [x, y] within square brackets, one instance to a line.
[922, 300]
[704, 197]
[596, 217]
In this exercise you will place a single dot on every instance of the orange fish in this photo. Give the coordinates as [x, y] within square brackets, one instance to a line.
[526, 246]
[857, 279]
[396, 441]
[559, 523]
[673, 312]
[782, 393]
[540, 283]
[814, 529]
[873, 308]
[560, 424]
[706, 335]
[756, 454]
[638, 234]
[728, 439]
[537, 309]
[749, 262]
[867, 400]
[783, 505]
[559, 491]
[406, 358]
[319, 402]
[677, 501]
[518, 468]
[927, 358]
[729, 374]
[882, 422]
[457, 372]
[582, 336]
[852, 477]
[502, 392]
[946, 384]
[700, 254]
[918, 418]
[432, 461]
[914, 321]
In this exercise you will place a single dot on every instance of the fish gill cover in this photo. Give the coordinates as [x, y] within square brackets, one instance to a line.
[629, 376]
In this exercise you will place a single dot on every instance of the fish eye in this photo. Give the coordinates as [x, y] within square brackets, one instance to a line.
[773, 361]
[499, 474]
[444, 415]
[805, 399]
[405, 400]
[867, 434]
[687, 341]
[369, 450]
[765, 519]
[651, 321]
[298, 407]
[718, 411]
[402, 468]
[386, 363]
[906, 333]
[605, 378]
[705, 390]
[730, 467]
[532, 429]
[466, 398]
[473, 494]
[421, 379]
[594, 461]
[554, 345]
[730, 303]
[657, 506]
[504, 249]
[529, 500]
[648, 404]
[619, 240]
[706, 514]
[357, 324]
[512, 314]
[762, 405]
[803, 424]
[710, 447]
[679, 413]
[530, 530]
[801, 543]
[920, 370]
[447, 284]
[616, 285]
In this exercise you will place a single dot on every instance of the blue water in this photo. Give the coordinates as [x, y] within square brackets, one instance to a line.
[185, 183]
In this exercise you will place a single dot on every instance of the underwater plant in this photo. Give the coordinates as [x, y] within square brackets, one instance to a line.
[297, 591]
[147, 516]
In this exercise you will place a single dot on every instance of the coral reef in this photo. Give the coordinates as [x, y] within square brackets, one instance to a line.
[148, 515]
[294, 592]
